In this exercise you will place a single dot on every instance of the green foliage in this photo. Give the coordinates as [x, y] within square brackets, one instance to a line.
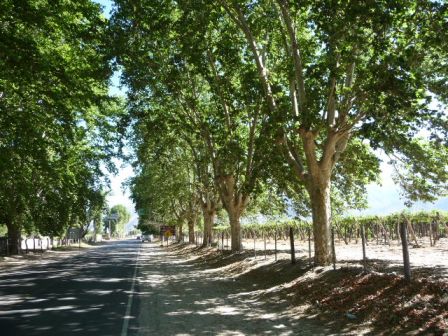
[164, 189]
[56, 117]
[205, 95]
[149, 229]
[269, 229]
[416, 181]
[117, 226]
[286, 98]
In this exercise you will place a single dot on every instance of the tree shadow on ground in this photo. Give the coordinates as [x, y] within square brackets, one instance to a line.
[81, 294]
[393, 267]
[347, 298]
[343, 300]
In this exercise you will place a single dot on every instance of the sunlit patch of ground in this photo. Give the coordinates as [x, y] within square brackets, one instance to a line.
[348, 300]
[45, 256]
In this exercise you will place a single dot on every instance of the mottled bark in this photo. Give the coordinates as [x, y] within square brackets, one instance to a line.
[234, 202]
[191, 223]
[13, 236]
[180, 231]
[235, 230]
[321, 212]
[208, 212]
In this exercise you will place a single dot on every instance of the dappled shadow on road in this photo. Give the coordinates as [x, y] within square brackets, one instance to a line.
[84, 294]
[186, 290]
[345, 301]
[180, 295]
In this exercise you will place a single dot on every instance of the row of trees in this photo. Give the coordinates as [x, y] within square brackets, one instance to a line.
[57, 121]
[233, 99]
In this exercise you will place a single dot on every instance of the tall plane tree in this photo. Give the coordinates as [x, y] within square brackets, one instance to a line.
[206, 91]
[333, 72]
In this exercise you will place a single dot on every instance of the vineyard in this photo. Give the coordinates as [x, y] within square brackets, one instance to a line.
[380, 229]
[426, 234]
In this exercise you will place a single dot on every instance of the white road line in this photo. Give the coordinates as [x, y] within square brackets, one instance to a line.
[124, 329]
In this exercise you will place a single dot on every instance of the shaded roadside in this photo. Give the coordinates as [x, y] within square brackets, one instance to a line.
[178, 295]
[347, 301]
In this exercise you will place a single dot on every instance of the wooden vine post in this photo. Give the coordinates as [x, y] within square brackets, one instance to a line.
[222, 241]
[436, 226]
[333, 248]
[275, 243]
[431, 235]
[404, 243]
[255, 247]
[264, 237]
[309, 248]
[291, 239]
[363, 239]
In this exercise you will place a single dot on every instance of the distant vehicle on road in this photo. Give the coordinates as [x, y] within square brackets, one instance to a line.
[147, 237]
[138, 238]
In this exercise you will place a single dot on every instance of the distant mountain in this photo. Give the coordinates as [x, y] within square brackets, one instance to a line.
[132, 223]
[386, 199]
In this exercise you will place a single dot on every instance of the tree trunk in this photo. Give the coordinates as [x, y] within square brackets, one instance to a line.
[208, 212]
[411, 232]
[191, 223]
[235, 230]
[13, 237]
[180, 231]
[321, 212]
[234, 203]
[404, 243]
[291, 241]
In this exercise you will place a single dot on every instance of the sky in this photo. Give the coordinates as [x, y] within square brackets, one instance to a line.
[382, 199]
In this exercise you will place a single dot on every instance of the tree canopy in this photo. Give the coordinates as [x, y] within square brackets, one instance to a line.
[300, 93]
[56, 116]
[117, 226]
[231, 104]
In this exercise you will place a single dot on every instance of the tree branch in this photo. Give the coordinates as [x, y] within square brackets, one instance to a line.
[295, 53]
[250, 151]
[220, 93]
[238, 17]
[331, 105]
[309, 146]
[348, 100]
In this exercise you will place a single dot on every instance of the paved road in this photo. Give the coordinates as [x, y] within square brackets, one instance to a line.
[86, 294]
[130, 288]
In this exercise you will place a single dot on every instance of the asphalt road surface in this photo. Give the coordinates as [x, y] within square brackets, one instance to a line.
[86, 294]
[129, 288]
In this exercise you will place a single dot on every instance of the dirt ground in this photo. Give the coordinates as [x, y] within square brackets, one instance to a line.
[347, 300]
[425, 260]
[184, 291]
